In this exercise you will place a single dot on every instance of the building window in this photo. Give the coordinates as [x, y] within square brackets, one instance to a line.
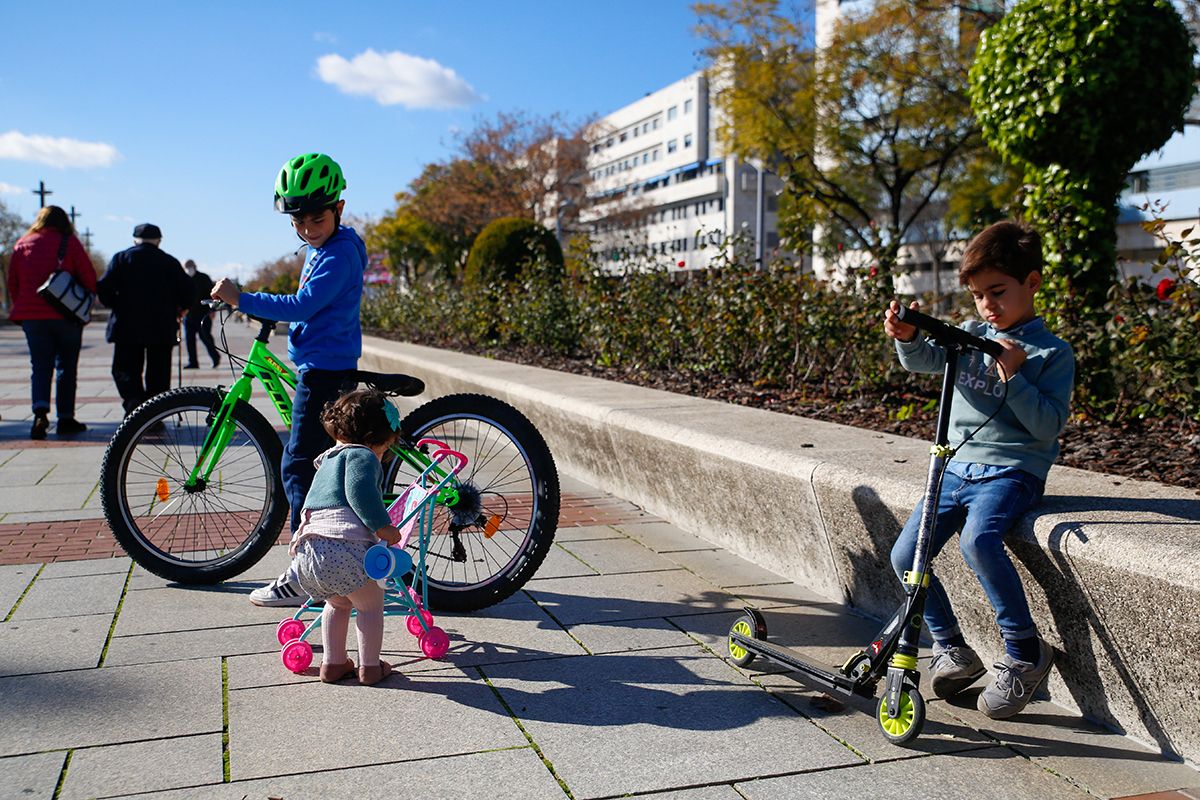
[687, 140]
[671, 113]
[657, 122]
[645, 158]
[687, 106]
[623, 137]
[635, 130]
[671, 146]
[655, 156]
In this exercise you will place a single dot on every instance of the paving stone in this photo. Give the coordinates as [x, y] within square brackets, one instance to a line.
[663, 537]
[55, 598]
[151, 648]
[703, 793]
[573, 533]
[19, 499]
[27, 777]
[991, 773]
[270, 567]
[631, 635]
[411, 704]
[183, 608]
[118, 769]
[561, 563]
[108, 706]
[91, 566]
[665, 718]
[722, 567]
[52, 645]
[771, 595]
[612, 556]
[1106, 763]
[628, 596]
[14, 580]
[465, 777]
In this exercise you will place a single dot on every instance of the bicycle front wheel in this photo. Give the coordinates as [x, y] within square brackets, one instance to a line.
[206, 532]
[492, 540]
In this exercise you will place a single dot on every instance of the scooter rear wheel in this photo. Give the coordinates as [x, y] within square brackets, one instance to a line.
[745, 626]
[909, 720]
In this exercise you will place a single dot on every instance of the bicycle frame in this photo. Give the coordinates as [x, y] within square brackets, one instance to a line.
[280, 383]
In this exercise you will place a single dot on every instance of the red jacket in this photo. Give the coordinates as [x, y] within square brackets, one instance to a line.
[34, 258]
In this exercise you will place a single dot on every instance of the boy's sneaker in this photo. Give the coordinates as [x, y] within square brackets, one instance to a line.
[1015, 683]
[954, 668]
[41, 424]
[279, 592]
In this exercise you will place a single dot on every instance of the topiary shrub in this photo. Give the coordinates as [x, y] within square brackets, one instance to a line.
[505, 246]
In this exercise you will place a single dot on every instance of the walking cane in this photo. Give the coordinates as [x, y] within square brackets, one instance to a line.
[179, 353]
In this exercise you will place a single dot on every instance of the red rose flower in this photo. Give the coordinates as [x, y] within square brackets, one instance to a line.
[1164, 289]
[681, 264]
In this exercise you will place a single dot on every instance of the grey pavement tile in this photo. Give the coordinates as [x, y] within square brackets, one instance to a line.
[663, 537]
[14, 580]
[91, 566]
[20, 499]
[123, 768]
[571, 485]
[612, 556]
[184, 608]
[723, 568]
[54, 598]
[664, 717]
[573, 534]
[57, 515]
[988, 774]
[723, 792]
[270, 567]
[108, 706]
[631, 635]
[412, 704]
[637, 595]
[513, 774]
[52, 645]
[1106, 763]
[151, 648]
[771, 595]
[27, 777]
[562, 563]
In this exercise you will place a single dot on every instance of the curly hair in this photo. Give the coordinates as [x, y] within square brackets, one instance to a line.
[359, 417]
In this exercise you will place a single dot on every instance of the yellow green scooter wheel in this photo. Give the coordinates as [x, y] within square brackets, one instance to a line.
[909, 720]
[739, 655]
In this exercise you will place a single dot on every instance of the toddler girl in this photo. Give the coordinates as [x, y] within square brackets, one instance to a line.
[343, 516]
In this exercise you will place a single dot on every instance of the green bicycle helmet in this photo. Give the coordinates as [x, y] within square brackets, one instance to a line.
[308, 183]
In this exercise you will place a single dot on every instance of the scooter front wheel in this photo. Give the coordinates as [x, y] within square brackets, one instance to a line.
[739, 655]
[909, 720]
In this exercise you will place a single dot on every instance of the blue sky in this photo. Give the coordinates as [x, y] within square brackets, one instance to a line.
[181, 113]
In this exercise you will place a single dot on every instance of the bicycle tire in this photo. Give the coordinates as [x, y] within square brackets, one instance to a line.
[510, 474]
[203, 536]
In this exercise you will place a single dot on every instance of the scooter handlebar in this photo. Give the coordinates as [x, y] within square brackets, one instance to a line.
[948, 334]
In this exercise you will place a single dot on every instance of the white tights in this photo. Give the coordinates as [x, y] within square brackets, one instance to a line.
[367, 600]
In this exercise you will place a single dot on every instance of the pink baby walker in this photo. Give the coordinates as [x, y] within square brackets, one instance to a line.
[412, 511]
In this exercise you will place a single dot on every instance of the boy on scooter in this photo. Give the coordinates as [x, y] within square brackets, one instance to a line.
[1006, 417]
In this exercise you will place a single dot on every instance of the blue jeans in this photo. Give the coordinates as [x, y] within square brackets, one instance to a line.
[308, 438]
[53, 346]
[985, 501]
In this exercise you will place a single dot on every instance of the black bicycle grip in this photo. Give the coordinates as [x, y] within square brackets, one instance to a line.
[948, 334]
[215, 305]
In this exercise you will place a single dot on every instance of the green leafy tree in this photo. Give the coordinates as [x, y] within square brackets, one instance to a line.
[506, 247]
[1073, 93]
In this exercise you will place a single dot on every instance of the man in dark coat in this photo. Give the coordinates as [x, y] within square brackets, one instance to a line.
[147, 291]
[198, 321]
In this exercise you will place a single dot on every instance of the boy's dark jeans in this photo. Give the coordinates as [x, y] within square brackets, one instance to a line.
[317, 387]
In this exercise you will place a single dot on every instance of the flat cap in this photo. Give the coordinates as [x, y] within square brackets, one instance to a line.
[147, 231]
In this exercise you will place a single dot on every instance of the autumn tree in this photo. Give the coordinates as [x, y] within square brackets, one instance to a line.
[871, 133]
[11, 228]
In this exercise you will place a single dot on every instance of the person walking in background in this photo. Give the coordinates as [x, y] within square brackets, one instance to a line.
[198, 321]
[147, 291]
[54, 341]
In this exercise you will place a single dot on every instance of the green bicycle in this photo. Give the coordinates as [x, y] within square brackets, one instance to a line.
[191, 484]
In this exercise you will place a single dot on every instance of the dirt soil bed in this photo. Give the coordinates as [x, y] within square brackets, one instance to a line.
[1164, 451]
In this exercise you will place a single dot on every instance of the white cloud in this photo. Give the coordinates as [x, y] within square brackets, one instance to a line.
[117, 218]
[324, 38]
[57, 152]
[397, 78]
[8, 188]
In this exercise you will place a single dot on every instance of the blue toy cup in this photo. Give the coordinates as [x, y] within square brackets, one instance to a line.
[383, 562]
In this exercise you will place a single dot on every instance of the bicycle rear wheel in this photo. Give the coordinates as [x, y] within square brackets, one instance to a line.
[495, 537]
[206, 533]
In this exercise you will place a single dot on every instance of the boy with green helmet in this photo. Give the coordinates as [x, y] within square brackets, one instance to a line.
[325, 336]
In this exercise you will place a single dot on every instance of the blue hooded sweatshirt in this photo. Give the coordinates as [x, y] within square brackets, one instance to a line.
[326, 332]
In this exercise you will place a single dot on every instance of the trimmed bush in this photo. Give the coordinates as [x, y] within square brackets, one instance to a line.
[504, 248]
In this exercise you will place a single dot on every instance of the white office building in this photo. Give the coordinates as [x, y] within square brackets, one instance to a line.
[663, 190]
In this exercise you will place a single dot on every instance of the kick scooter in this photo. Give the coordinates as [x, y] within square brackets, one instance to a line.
[892, 654]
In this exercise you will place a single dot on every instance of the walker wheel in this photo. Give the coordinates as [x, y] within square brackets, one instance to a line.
[909, 720]
[297, 655]
[434, 643]
[738, 654]
[413, 622]
[289, 629]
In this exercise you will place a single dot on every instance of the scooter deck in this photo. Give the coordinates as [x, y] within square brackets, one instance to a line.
[791, 659]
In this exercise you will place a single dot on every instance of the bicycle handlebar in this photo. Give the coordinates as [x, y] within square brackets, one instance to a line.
[948, 334]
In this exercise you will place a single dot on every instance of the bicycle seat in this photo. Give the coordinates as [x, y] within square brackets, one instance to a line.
[402, 385]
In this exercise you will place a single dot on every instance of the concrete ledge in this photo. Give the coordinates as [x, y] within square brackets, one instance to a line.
[1112, 565]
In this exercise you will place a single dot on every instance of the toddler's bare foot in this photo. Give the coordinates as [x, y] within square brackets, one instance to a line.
[332, 673]
[369, 676]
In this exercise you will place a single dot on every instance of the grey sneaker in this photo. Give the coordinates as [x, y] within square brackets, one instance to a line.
[954, 669]
[278, 593]
[1015, 683]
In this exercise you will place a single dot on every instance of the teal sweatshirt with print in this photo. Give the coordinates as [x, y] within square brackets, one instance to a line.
[350, 477]
[1025, 431]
